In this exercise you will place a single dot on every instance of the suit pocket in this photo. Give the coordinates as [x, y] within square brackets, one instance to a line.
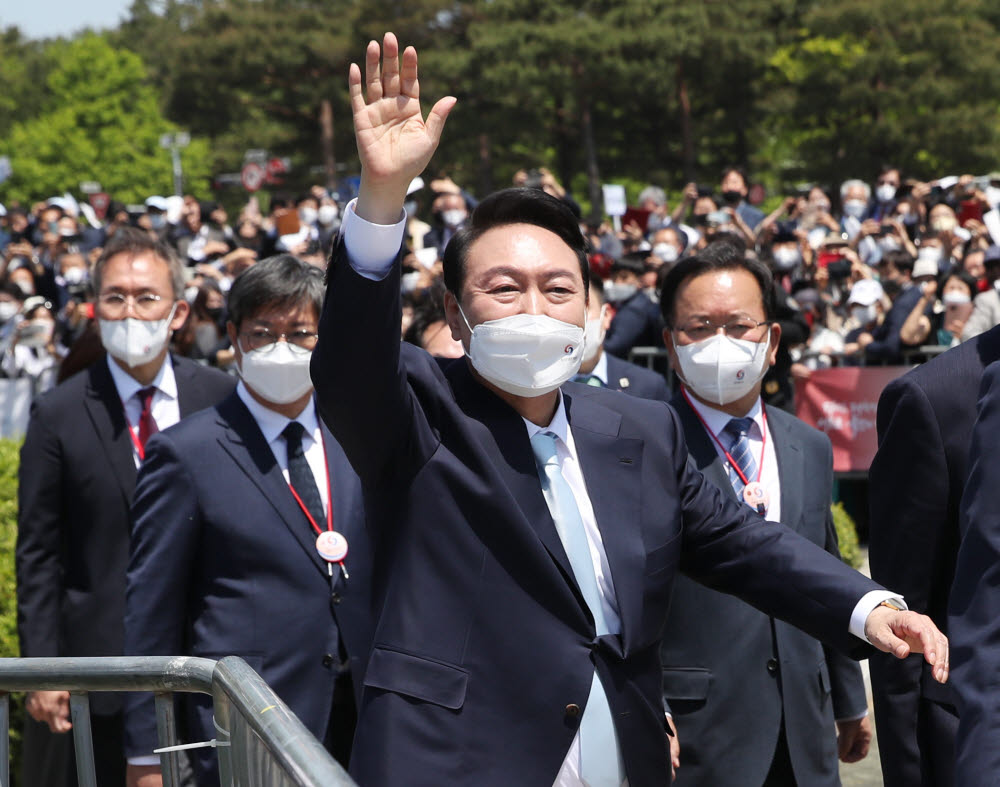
[686, 684]
[414, 676]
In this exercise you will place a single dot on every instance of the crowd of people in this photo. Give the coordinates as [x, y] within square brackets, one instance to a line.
[513, 537]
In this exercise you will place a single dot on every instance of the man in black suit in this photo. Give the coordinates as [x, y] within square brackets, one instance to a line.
[761, 711]
[224, 557]
[917, 478]
[526, 535]
[637, 320]
[605, 370]
[84, 444]
[974, 606]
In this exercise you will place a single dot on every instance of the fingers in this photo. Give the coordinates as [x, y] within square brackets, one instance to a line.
[373, 75]
[437, 117]
[408, 85]
[390, 66]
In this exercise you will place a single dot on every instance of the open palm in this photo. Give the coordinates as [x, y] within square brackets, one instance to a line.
[395, 143]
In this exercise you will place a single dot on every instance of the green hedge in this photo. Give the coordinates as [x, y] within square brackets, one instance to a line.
[8, 600]
[847, 536]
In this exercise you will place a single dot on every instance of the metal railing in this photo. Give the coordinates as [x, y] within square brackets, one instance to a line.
[261, 742]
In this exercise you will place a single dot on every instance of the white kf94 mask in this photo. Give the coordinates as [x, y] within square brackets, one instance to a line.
[720, 369]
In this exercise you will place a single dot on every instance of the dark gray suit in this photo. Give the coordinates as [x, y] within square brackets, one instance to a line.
[731, 674]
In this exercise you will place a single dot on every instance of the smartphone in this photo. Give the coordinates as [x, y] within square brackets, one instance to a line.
[824, 258]
[638, 216]
[969, 210]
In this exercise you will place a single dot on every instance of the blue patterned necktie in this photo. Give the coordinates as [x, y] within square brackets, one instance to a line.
[738, 431]
[599, 763]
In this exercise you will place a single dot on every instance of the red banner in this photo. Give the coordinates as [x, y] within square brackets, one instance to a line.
[842, 402]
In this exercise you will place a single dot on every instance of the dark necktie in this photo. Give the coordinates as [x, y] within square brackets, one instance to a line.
[300, 475]
[147, 426]
[738, 431]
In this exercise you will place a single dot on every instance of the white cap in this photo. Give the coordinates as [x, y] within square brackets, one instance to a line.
[157, 203]
[925, 265]
[865, 292]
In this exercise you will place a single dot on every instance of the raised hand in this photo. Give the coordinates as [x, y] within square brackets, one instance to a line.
[395, 143]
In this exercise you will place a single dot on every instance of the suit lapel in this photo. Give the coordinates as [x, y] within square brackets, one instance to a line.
[245, 443]
[791, 469]
[107, 414]
[702, 447]
[612, 470]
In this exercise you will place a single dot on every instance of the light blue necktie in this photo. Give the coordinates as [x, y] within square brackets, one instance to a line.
[599, 764]
[738, 431]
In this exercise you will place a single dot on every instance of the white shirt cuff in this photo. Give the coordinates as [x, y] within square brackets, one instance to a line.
[371, 248]
[145, 759]
[864, 608]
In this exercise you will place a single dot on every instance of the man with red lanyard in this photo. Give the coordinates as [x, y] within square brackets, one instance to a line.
[760, 711]
[248, 534]
[85, 440]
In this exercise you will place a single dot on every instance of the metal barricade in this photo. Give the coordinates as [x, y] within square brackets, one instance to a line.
[260, 742]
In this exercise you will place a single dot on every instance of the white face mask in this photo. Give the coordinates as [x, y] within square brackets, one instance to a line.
[74, 275]
[617, 292]
[722, 370]
[955, 298]
[308, 215]
[525, 354]
[593, 336]
[40, 333]
[452, 218]
[135, 342]
[787, 258]
[328, 214]
[885, 192]
[280, 374]
[666, 252]
[865, 315]
[7, 310]
[855, 208]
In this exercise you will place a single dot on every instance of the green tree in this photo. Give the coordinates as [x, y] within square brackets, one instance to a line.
[100, 121]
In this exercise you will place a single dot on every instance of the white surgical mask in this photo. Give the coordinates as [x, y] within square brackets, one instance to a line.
[855, 208]
[864, 315]
[885, 192]
[722, 370]
[279, 374]
[955, 298]
[666, 252]
[135, 342]
[7, 310]
[74, 275]
[525, 354]
[308, 215]
[787, 258]
[327, 214]
[889, 243]
[40, 335]
[593, 336]
[617, 292]
[452, 218]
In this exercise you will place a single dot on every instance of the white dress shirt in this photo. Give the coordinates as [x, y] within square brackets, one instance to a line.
[164, 407]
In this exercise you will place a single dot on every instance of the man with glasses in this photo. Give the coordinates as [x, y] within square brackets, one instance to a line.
[235, 515]
[85, 441]
[762, 710]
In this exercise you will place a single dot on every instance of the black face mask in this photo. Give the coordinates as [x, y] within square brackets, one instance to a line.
[215, 313]
[732, 197]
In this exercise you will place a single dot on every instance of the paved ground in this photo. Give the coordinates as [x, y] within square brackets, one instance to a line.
[866, 773]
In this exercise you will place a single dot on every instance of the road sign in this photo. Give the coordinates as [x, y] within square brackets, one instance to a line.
[253, 176]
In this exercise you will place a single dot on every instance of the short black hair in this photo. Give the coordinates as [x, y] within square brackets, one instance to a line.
[514, 206]
[739, 171]
[901, 259]
[715, 257]
[282, 280]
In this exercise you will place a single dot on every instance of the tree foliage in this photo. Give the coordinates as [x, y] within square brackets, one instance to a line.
[99, 120]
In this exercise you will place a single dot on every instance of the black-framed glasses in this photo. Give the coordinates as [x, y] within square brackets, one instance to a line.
[115, 304]
[698, 330]
[265, 340]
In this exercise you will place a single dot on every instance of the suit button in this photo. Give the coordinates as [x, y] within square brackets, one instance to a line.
[573, 710]
[328, 660]
[335, 598]
[772, 666]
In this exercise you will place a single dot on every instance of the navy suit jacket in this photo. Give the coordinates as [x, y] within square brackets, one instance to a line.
[484, 649]
[637, 323]
[636, 380]
[974, 608]
[916, 481]
[77, 476]
[223, 562]
[729, 702]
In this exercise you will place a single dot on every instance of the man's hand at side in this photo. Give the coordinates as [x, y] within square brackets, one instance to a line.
[143, 776]
[51, 707]
[853, 739]
[902, 632]
[394, 142]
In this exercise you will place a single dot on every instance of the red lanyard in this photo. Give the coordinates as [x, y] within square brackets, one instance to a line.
[329, 496]
[140, 451]
[729, 457]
